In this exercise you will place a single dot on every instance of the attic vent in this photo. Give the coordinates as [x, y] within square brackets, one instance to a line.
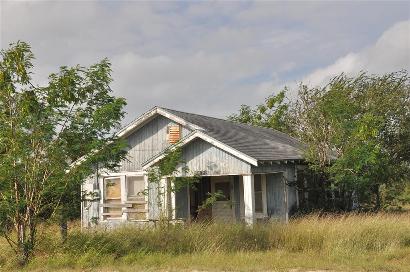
[174, 134]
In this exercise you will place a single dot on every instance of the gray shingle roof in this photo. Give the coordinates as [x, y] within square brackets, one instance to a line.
[260, 143]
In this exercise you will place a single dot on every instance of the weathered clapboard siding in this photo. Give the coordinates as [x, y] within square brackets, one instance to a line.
[148, 141]
[275, 193]
[181, 203]
[153, 201]
[201, 156]
[90, 209]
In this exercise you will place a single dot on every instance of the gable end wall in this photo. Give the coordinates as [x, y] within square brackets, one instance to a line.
[148, 141]
[209, 160]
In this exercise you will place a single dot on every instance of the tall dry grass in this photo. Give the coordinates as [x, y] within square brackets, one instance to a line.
[347, 234]
[333, 235]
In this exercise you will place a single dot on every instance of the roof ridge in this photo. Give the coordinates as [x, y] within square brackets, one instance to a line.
[238, 124]
[197, 114]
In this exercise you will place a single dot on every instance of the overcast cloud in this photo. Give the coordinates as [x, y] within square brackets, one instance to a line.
[211, 57]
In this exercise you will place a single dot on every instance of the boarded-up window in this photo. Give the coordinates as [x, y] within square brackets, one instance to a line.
[135, 187]
[112, 188]
[112, 197]
[174, 134]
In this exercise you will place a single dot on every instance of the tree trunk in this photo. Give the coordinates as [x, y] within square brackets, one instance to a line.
[24, 244]
[378, 199]
[322, 181]
[63, 229]
[349, 201]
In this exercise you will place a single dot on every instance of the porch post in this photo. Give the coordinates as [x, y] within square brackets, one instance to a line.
[124, 216]
[173, 206]
[249, 198]
[163, 197]
[170, 200]
[152, 199]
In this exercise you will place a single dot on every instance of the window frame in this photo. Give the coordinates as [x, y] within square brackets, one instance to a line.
[124, 195]
[128, 197]
[105, 190]
[103, 198]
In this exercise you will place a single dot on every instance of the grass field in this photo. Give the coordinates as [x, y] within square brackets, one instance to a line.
[341, 243]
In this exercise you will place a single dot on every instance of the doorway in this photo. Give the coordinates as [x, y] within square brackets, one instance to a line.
[223, 208]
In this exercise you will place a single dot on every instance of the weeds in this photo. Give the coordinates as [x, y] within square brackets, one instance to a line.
[333, 238]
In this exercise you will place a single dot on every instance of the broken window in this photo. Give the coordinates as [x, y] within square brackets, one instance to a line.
[137, 209]
[135, 187]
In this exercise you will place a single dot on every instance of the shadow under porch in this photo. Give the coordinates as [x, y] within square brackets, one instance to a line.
[190, 202]
[271, 198]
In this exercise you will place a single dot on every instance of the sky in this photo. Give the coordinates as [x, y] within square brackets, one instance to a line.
[210, 57]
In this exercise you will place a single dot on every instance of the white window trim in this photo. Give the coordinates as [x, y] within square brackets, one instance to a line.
[124, 194]
[102, 198]
[137, 174]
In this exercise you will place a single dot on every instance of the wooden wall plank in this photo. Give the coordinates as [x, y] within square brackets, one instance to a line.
[181, 204]
[200, 155]
[274, 195]
[148, 141]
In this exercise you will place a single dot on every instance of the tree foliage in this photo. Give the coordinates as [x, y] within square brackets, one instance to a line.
[43, 130]
[273, 113]
[356, 131]
[171, 167]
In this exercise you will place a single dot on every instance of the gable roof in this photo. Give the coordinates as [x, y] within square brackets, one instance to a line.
[194, 135]
[256, 143]
[149, 115]
[263, 144]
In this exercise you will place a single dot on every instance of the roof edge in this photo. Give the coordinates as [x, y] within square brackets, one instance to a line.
[145, 117]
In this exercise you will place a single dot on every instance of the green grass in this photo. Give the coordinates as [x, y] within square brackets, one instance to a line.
[343, 243]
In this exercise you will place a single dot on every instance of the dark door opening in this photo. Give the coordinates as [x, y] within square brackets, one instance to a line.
[197, 196]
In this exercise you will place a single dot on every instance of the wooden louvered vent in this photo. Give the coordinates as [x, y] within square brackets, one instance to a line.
[174, 134]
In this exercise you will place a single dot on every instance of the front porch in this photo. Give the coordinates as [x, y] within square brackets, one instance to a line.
[243, 198]
[130, 197]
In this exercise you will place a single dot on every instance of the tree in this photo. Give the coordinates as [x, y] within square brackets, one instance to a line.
[354, 128]
[173, 168]
[357, 136]
[43, 131]
[273, 113]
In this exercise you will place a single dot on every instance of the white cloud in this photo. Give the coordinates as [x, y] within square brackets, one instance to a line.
[207, 57]
[390, 53]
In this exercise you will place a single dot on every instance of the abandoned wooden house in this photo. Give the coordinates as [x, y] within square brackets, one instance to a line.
[254, 168]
